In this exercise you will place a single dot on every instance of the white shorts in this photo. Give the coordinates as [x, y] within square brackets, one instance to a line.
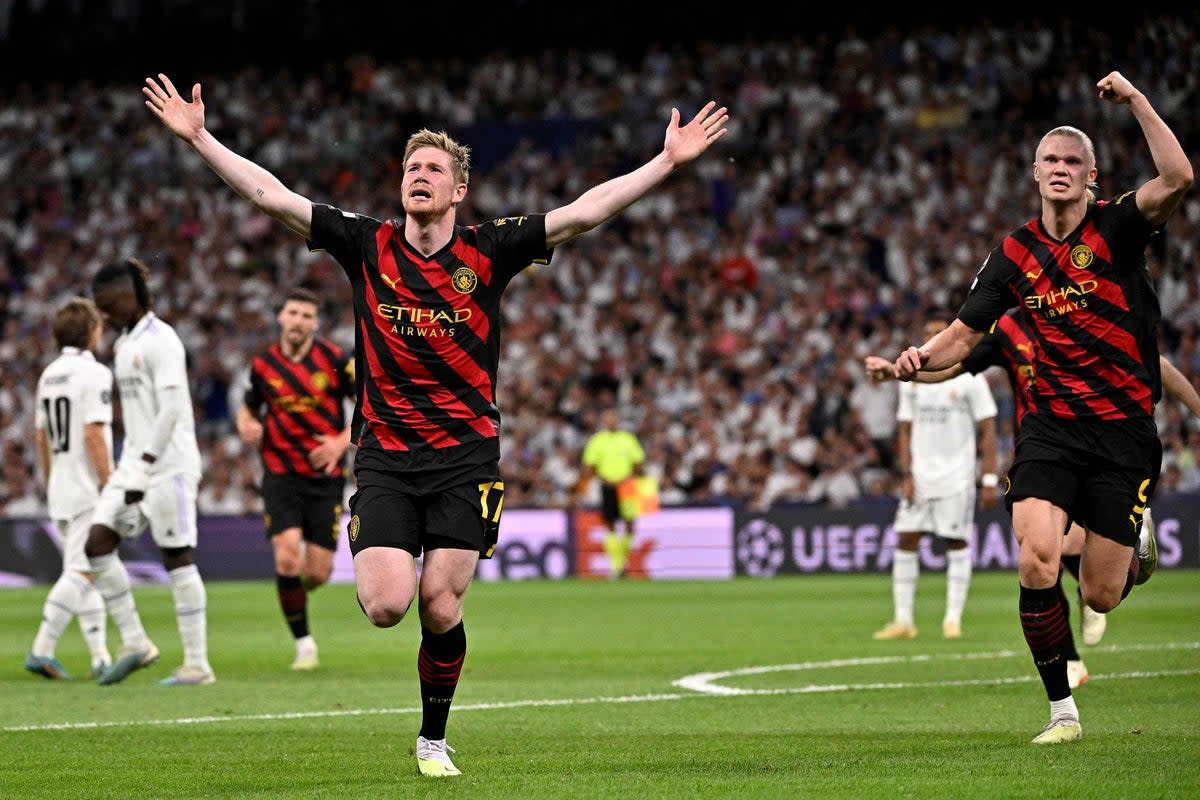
[169, 508]
[74, 534]
[949, 517]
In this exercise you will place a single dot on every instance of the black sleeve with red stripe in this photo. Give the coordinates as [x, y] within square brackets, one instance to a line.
[991, 293]
[340, 233]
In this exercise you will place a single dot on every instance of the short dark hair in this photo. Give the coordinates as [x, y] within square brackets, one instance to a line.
[74, 322]
[133, 268]
[303, 295]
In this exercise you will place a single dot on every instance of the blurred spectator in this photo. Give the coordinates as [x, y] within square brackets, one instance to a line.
[870, 172]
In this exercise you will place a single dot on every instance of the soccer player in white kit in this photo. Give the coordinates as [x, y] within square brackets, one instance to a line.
[156, 480]
[73, 421]
[937, 451]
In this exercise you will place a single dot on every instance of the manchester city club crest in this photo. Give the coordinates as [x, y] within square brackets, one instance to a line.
[464, 280]
[1081, 256]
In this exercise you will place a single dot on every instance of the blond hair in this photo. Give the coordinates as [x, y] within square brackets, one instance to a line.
[460, 154]
[74, 322]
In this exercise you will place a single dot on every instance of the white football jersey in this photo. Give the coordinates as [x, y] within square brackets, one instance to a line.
[944, 419]
[149, 360]
[74, 391]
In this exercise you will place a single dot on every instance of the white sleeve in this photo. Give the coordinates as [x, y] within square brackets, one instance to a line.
[97, 396]
[169, 367]
[904, 405]
[169, 363]
[983, 405]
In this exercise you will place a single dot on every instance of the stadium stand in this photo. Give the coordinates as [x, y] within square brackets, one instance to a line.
[867, 173]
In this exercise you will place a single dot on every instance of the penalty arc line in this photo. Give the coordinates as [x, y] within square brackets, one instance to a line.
[643, 698]
[705, 682]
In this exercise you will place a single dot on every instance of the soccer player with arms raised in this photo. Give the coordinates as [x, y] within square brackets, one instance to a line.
[1087, 449]
[427, 306]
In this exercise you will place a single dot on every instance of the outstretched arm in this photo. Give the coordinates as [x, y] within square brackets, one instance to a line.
[1178, 387]
[941, 352]
[264, 191]
[611, 197]
[879, 369]
[1159, 196]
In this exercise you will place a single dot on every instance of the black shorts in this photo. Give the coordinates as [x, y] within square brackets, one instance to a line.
[1102, 473]
[314, 505]
[610, 505]
[387, 514]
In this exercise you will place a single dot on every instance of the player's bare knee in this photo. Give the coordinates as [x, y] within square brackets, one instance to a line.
[176, 557]
[101, 541]
[441, 612]
[314, 579]
[1101, 599]
[1037, 569]
[288, 564]
[381, 613]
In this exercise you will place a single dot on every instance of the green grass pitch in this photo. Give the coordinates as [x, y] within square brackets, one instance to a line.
[570, 691]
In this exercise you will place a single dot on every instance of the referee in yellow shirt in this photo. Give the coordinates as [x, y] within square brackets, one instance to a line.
[615, 456]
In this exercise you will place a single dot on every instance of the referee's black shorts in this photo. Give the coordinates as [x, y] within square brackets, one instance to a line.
[1101, 472]
[610, 504]
[314, 505]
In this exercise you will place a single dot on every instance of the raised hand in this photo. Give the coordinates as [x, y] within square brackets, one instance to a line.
[1115, 88]
[685, 143]
[184, 119]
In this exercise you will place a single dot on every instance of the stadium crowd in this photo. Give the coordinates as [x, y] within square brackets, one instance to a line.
[863, 179]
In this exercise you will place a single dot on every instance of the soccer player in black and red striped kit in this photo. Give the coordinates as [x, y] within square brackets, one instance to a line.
[427, 309]
[1088, 449]
[1012, 346]
[293, 409]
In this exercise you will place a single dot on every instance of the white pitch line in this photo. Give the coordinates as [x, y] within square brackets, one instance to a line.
[692, 684]
[704, 682]
[346, 712]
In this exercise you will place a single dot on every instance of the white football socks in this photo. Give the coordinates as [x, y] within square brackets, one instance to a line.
[112, 581]
[63, 602]
[191, 601]
[958, 581]
[905, 570]
[94, 626]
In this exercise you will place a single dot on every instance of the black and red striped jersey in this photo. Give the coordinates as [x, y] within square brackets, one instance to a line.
[428, 337]
[298, 401]
[1011, 346]
[1091, 306]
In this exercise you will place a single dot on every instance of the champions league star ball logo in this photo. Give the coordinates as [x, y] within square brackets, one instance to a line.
[760, 548]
